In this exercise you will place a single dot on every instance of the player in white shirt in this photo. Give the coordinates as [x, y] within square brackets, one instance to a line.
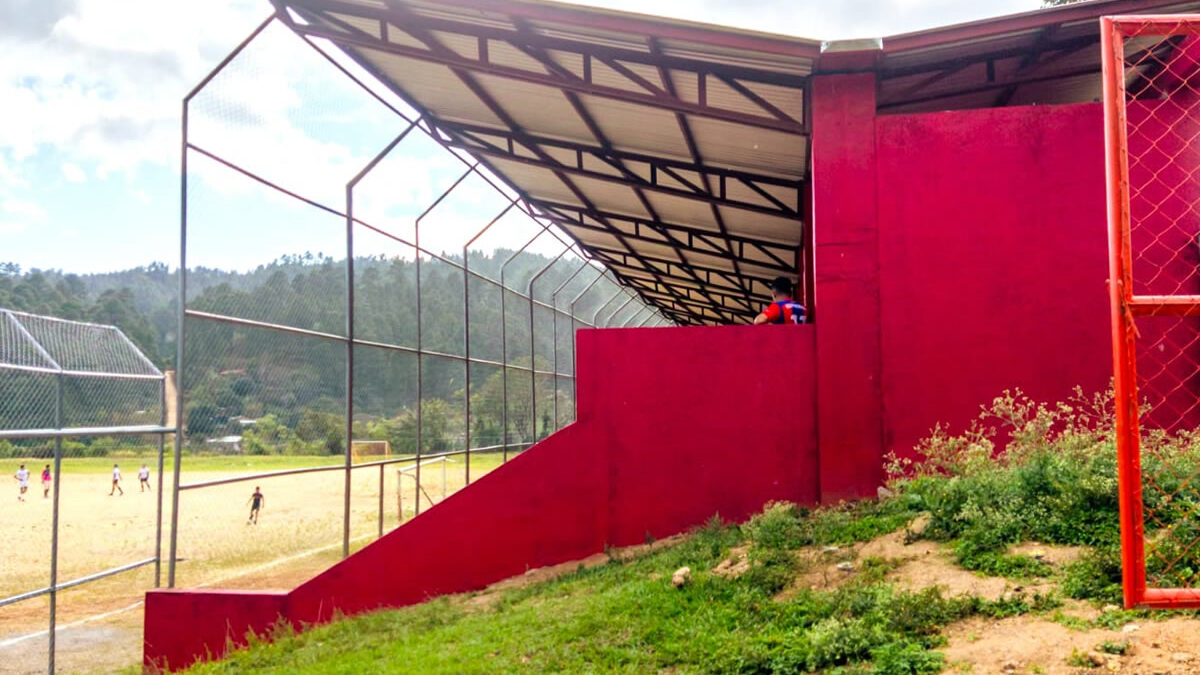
[116, 485]
[143, 479]
[22, 478]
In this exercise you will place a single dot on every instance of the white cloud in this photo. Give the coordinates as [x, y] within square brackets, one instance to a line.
[102, 81]
[23, 214]
[18, 207]
[73, 173]
[10, 176]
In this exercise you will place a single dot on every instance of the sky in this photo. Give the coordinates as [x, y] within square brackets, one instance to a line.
[90, 94]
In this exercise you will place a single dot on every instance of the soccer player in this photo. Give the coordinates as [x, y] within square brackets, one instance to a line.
[46, 482]
[22, 478]
[143, 479]
[256, 502]
[116, 484]
[782, 308]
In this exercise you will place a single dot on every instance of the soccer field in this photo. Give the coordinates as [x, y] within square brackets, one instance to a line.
[299, 533]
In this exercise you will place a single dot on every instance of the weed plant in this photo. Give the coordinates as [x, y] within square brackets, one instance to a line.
[1030, 472]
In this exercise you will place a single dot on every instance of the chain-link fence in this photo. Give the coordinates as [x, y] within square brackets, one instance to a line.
[369, 321]
[390, 323]
[1152, 106]
[83, 414]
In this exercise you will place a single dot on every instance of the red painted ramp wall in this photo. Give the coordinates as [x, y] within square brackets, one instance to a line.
[674, 425]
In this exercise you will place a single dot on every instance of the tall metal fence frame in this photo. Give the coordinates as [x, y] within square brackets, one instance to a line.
[1152, 112]
[644, 316]
[15, 326]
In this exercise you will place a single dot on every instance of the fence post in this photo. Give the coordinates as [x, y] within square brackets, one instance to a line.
[162, 422]
[58, 424]
[533, 341]
[554, 304]
[467, 329]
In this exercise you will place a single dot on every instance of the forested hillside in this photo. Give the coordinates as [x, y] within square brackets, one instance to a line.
[286, 393]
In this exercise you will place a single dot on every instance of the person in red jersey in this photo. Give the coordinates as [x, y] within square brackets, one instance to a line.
[782, 308]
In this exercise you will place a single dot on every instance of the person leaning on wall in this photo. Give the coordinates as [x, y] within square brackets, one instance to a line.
[783, 309]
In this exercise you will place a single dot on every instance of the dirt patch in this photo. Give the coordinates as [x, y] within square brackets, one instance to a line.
[938, 569]
[920, 564]
[737, 564]
[1030, 644]
[1049, 553]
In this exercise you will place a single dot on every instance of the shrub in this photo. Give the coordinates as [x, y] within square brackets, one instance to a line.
[906, 658]
[1096, 575]
[776, 528]
[1051, 479]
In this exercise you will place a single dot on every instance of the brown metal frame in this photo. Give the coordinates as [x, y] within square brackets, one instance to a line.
[546, 229]
[1036, 63]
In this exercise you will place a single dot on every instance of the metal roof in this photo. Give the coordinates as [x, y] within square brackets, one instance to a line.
[674, 152]
[1047, 56]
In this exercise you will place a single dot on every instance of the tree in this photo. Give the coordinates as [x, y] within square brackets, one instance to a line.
[301, 383]
[203, 419]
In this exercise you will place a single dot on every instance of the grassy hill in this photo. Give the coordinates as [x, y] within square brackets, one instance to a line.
[931, 577]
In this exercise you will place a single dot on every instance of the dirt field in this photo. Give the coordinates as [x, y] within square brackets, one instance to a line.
[299, 533]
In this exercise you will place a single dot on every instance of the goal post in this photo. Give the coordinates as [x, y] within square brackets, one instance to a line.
[368, 450]
[419, 484]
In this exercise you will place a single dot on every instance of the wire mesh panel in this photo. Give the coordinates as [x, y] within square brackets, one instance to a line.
[27, 400]
[351, 281]
[73, 398]
[1152, 114]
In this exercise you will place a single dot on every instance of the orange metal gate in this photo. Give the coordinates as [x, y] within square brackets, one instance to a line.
[1151, 68]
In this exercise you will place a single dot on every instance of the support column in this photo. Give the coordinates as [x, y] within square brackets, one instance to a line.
[846, 275]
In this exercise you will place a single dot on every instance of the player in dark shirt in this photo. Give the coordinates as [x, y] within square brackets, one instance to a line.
[256, 502]
[782, 308]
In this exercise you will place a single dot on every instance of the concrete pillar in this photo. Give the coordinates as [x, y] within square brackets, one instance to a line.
[846, 248]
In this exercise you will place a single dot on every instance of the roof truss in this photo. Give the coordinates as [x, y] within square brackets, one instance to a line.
[690, 261]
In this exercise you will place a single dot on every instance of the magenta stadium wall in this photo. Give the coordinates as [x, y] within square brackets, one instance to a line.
[957, 254]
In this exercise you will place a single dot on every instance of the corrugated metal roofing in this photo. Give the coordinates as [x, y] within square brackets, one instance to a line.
[674, 152]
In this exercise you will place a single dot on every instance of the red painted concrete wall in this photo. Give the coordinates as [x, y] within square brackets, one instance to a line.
[698, 421]
[846, 284]
[674, 425]
[993, 260]
[182, 627]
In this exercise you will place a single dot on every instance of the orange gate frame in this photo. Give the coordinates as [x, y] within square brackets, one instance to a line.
[1126, 306]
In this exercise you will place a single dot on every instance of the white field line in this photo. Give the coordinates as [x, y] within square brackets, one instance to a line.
[277, 562]
[100, 617]
[21, 638]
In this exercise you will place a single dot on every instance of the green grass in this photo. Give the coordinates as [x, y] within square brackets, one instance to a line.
[1051, 480]
[214, 463]
[626, 617]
